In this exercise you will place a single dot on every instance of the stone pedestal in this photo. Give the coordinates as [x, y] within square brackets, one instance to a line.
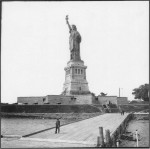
[75, 79]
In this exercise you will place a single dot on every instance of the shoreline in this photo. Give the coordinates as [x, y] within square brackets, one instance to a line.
[64, 116]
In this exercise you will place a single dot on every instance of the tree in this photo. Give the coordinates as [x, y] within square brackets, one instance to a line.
[102, 94]
[93, 94]
[142, 92]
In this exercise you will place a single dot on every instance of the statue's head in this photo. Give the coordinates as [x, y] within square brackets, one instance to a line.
[74, 27]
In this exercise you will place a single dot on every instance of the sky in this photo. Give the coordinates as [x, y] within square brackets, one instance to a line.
[35, 46]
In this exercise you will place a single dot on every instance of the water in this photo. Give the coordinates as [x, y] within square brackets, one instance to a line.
[24, 126]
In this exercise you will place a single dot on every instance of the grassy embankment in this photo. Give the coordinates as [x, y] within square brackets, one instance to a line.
[72, 112]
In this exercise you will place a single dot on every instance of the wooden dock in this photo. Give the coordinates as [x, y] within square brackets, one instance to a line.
[79, 134]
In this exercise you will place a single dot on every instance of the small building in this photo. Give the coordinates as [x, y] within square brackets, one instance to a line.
[122, 100]
[104, 100]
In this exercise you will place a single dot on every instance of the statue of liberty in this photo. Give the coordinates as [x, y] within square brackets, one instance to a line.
[74, 42]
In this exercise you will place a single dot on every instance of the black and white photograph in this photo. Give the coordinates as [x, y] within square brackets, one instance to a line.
[74, 74]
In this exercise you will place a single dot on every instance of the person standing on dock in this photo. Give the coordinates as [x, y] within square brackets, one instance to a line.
[120, 110]
[57, 126]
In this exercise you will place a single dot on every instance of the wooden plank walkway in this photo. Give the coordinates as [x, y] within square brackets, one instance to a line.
[82, 133]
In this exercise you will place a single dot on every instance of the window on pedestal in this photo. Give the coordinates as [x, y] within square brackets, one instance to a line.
[44, 99]
[81, 71]
[76, 71]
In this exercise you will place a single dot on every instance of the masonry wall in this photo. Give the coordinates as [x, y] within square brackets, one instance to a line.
[31, 100]
[60, 99]
[83, 99]
[106, 99]
[76, 99]
[56, 99]
[122, 100]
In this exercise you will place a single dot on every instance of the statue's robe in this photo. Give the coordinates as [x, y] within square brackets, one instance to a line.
[74, 42]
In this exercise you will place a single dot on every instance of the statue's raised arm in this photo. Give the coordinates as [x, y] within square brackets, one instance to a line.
[68, 23]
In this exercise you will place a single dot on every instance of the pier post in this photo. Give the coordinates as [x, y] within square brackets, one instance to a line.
[98, 141]
[137, 140]
[107, 138]
[101, 138]
[117, 142]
